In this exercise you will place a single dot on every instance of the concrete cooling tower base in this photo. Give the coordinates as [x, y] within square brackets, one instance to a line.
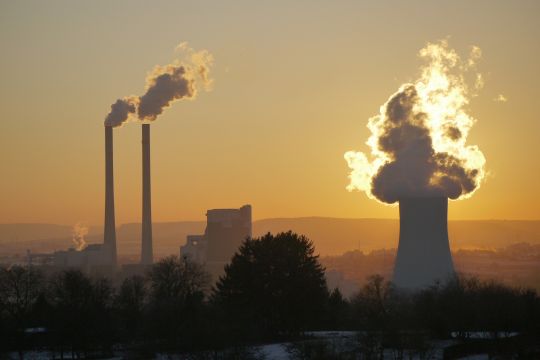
[423, 255]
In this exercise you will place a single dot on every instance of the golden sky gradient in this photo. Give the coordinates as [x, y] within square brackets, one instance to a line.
[294, 86]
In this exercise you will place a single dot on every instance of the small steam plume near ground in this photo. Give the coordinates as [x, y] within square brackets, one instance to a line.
[418, 140]
[78, 232]
[178, 80]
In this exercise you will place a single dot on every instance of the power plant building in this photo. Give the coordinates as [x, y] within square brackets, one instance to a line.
[103, 257]
[94, 256]
[195, 248]
[226, 229]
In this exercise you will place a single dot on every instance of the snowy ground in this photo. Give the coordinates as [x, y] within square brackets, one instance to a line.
[343, 339]
[281, 351]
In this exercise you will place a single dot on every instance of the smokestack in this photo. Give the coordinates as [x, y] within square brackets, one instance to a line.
[424, 252]
[146, 251]
[109, 234]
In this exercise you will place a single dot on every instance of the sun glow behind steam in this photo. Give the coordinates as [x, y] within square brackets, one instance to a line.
[418, 140]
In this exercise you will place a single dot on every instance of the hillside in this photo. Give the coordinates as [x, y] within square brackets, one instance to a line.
[332, 236]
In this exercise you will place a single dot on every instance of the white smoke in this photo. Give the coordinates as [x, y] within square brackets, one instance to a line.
[418, 141]
[164, 85]
[78, 232]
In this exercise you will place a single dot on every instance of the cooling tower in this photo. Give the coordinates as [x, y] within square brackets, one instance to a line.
[109, 232]
[146, 250]
[424, 252]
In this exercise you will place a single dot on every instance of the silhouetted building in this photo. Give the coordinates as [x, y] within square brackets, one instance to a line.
[91, 257]
[423, 252]
[40, 259]
[225, 231]
[195, 248]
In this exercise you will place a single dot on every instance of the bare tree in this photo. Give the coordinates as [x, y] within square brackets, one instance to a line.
[20, 288]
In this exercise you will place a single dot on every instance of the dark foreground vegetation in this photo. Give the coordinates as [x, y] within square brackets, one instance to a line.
[273, 290]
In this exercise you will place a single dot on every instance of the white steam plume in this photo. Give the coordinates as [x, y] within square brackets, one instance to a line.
[78, 232]
[418, 140]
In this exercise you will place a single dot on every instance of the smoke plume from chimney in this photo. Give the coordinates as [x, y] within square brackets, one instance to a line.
[178, 80]
[78, 232]
[418, 140]
[121, 111]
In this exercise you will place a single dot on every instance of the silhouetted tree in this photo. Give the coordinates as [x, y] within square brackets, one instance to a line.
[20, 289]
[273, 287]
[373, 304]
[274, 284]
[177, 289]
[465, 304]
[129, 306]
[338, 311]
[82, 308]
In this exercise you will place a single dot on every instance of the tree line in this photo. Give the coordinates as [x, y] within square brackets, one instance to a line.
[274, 289]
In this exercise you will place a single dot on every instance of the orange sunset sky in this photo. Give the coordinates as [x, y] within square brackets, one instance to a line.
[295, 83]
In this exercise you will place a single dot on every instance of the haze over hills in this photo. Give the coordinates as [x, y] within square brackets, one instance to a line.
[332, 236]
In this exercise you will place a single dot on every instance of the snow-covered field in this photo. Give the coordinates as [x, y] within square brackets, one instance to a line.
[336, 341]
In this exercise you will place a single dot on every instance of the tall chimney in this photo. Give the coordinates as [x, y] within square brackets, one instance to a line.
[109, 234]
[146, 251]
[423, 255]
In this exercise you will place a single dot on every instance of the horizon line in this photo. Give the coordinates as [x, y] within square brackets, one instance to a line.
[262, 219]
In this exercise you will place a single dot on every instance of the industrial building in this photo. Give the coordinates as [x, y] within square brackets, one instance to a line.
[104, 256]
[225, 231]
[195, 248]
[94, 256]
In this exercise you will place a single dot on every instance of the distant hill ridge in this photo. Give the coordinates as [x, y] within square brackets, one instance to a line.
[331, 236]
